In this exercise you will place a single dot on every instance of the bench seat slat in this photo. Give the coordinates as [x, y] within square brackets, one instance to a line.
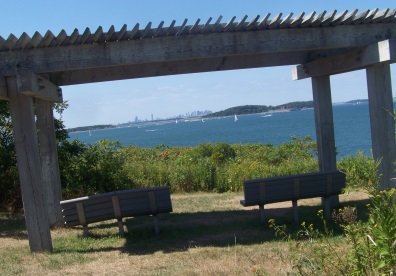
[131, 203]
[279, 189]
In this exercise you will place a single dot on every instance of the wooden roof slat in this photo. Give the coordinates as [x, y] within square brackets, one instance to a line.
[23, 41]
[295, 22]
[181, 28]
[338, 18]
[229, 25]
[264, 22]
[216, 24]
[134, 31]
[146, 30]
[73, 37]
[318, 19]
[170, 28]
[390, 17]
[308, 19]
[48, 39]
[35, 40]
[275, 21]
[252, 24]
[2, 44]
[349, 17]
[328, 19]
[159, 29]
[240, 26]
[121, 33]
[205, 27]
[360, 17]
[111, 35]
[380, 16]
[11, 42]
[370, 16]
[194, 27]
[85, 36]
[98, 36]
[285, 23]
[61, 37]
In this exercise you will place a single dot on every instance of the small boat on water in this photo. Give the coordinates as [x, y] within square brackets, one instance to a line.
[235, 118]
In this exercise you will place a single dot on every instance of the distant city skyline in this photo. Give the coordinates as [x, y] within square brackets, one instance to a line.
[120, 101]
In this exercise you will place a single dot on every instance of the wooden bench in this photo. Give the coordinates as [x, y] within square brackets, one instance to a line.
[294, 187]
[117, 205]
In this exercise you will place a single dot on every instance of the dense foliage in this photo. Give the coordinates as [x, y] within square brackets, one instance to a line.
[220, 167]
[252, 109]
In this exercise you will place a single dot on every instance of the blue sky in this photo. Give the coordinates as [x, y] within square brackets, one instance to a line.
[121, 101]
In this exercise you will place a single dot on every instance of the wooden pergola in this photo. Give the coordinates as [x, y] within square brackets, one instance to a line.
[33, 68]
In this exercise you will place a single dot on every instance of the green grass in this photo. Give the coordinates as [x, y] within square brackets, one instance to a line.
[209, 234]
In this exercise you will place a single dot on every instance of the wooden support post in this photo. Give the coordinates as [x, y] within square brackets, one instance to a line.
[49, 160]
[262, 213]
[324, 127]
[29, 168]
[379, 86]
[3, 89]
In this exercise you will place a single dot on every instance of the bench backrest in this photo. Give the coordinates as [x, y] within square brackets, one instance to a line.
[127, 203]
[285, 188]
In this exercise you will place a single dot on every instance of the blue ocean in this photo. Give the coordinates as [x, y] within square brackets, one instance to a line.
[351, 122]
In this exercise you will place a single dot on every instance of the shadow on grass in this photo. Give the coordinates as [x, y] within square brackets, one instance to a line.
[181, 231]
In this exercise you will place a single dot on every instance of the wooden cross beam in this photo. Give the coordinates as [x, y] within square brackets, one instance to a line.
[34, 85]
[383, 51]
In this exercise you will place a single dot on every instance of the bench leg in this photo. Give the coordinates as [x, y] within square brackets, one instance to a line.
[120, 227]
[295, 211]
[262, 213]
[327, 207]
[85, 228]
[156, 225]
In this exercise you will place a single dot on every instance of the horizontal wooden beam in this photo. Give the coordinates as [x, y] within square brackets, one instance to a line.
[167, 68]
[34, 85]
[383, 51]
[3, 89]
[202, 46]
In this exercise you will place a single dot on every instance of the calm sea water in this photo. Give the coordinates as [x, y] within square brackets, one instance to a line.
[352, 130]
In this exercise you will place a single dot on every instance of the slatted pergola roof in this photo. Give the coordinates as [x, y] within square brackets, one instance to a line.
[32, 69]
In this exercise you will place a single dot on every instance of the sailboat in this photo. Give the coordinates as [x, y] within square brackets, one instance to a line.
[236, 118]
[89, 133]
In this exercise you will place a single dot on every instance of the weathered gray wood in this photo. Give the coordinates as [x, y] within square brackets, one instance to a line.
[349, 17]
[264, 22]
[262, 213]
[381, 108]
[338, 18]
[49, 160]
[240, 26]
[116, 205]
[324, 123]
[297, 20]
[308, 19]
[353, 60]
[285, 23]
[176, 67]
[193, 47]
[325, 138]
[295, 211]
[3, 89]
[318, 19]
[61, 37]
[230, 25]
[23, 41]
[29, 168]
[275, 21]
[37, 86]
[253, 23]
[205, 27]
[292, 188]
[36, 40]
